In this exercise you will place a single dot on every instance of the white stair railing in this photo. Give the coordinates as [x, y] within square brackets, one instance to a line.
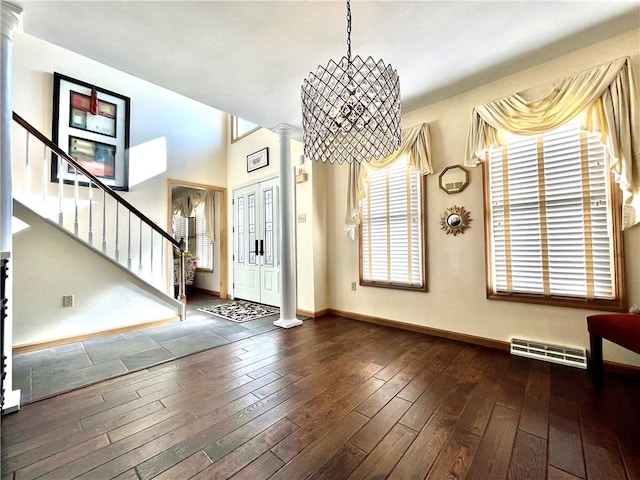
[73, 205]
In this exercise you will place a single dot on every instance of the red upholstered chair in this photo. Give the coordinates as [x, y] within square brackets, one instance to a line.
[620, 328]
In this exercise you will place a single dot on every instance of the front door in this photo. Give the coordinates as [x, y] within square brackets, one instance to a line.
[256, 262]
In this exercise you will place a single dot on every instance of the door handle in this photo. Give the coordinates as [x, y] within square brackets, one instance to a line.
[256, 247]
[261, 247]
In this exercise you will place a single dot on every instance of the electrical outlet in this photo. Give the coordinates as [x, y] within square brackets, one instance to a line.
[353, 286]
[302, 218]
[67, 300]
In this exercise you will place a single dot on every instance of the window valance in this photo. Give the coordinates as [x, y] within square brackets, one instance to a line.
[186, 204]
[608, 97]
[415, 143]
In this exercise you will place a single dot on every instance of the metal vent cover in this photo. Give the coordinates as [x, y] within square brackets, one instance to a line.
[571, 356]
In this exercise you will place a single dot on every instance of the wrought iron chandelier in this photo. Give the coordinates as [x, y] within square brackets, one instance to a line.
[351, 109]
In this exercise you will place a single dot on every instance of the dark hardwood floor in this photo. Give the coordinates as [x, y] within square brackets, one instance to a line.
[334, 399]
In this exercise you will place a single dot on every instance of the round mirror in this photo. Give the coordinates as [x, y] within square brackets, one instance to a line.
[454, 179]
[455, 220]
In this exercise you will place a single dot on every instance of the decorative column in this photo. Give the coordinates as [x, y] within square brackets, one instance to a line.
[10, 22]
[288, 232]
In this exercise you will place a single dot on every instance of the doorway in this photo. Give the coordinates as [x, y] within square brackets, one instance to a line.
[256, 257]
[210, 268]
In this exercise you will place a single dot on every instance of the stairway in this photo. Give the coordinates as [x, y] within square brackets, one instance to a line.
[92, 237]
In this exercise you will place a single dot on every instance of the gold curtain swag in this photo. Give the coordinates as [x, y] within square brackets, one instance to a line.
[186, 205]
[415, 143]
[608, 97]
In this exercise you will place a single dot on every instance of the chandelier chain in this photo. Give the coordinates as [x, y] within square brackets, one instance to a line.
[349, 31]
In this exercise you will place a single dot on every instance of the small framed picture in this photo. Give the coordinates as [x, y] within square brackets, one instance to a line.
[258, 159]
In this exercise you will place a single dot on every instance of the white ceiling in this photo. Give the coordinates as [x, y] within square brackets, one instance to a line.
[250, 58]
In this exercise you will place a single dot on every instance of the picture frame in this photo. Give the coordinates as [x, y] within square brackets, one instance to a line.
[98, 141]
[258, 159]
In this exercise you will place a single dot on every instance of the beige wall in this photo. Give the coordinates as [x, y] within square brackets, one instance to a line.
[305, 246]
[456, 271]
[322, 257]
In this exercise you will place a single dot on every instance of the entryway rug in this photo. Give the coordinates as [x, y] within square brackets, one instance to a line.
[240, 311]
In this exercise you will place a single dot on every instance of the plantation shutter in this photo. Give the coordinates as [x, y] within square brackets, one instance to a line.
[181, 229]
[550, 222]
[390, 227]
[204, 245]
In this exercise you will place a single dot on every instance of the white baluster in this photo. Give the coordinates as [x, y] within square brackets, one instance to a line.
[163, 263]
[151, 260]
[60, 186]
[129, 243]
[104, 222]
[91, 213]
[117, 232]
[27, 168]
[45, 172]
[75, 201]
[140, 249]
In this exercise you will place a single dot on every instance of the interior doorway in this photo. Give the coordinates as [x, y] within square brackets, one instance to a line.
[191, 212]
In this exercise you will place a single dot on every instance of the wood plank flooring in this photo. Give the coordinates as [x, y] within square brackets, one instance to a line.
[334, 399]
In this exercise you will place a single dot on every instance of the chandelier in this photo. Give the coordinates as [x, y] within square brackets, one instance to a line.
[351, 109]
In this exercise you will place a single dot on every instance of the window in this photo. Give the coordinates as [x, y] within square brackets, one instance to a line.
[392, 229]
[552, 228]
[204, 245]
[241, 128]
[181, 229]
[193, 230]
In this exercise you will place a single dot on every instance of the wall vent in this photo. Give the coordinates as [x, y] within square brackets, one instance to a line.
[574, 357]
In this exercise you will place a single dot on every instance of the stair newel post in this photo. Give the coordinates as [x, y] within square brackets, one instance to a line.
[27, 167]
[140, 248]
[91, 213]
[117, 233]
[75, 203]
[181, 283]
[129, 241]
[104, 222]
[60, 187]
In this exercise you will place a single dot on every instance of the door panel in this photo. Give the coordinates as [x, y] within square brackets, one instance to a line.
[246, 271]
[270, 267]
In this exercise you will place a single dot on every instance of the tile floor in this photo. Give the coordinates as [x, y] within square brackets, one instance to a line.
[51, 371]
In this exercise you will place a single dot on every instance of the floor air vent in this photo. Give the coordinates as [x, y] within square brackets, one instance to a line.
[574, 357]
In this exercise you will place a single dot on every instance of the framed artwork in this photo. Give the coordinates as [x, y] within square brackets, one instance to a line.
[92, 125]
[258, 159]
